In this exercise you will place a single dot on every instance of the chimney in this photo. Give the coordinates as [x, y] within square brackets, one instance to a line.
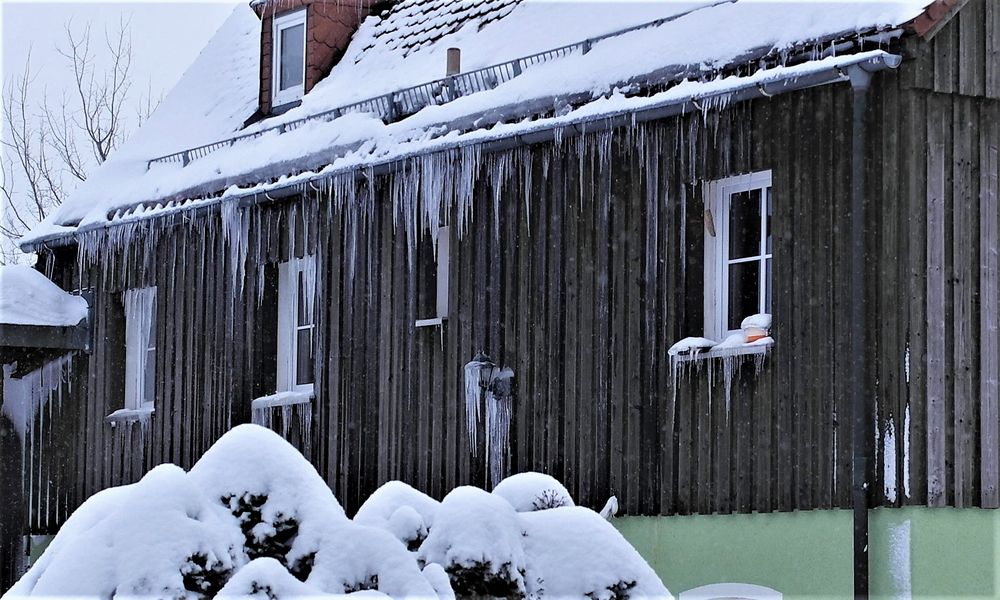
[454, 61]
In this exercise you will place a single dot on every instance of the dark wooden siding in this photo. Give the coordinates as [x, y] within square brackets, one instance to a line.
[964, 56]
[580, 263]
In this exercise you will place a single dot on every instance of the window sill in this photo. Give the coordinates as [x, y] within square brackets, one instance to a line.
[282, 399]
[758, 347]
[131, 415]
[435, 322]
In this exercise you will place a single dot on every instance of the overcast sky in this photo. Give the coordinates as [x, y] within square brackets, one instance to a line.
[166, 37]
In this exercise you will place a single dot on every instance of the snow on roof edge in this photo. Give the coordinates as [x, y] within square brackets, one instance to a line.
[601, 111]
[27, 297]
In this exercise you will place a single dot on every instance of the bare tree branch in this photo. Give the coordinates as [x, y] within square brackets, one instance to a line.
[65, 139]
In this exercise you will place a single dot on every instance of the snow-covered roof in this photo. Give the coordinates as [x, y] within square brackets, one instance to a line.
[29, 298]
[408, 47]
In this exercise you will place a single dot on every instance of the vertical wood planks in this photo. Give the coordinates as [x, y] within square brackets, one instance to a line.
[965, 257]
[936, 326]
[989, 309]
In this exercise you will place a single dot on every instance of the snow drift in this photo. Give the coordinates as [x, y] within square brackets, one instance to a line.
[253, 518]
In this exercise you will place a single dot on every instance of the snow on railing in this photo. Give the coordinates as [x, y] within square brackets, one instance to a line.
[400, 104]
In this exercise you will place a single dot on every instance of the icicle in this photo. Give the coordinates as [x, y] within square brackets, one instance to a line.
[526, 176]
[286, 418]
[305, 427]
[500, 173]
[729, 364]
[236, 232]
[498, 418]
[24, 397]
[473, 399]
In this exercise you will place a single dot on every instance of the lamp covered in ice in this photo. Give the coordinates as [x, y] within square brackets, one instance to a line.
[485, 381]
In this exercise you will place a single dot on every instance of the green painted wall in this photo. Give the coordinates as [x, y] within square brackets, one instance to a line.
[929, 553]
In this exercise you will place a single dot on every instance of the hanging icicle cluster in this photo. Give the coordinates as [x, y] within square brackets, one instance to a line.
[24, 397]
[295, 409]
[486, 383]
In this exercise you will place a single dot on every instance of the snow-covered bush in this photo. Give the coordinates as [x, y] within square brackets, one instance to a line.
[254, 519]
[274, 494]
[531, 491]
[157, 537]
[477, 539]
[575, 552]
[404, 512]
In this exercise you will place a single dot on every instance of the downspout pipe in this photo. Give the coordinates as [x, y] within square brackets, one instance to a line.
[860, 409]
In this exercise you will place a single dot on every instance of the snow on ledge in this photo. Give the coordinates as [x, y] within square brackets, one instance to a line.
[131, 415]
[281, 399]
[29, 298]
[726, 350]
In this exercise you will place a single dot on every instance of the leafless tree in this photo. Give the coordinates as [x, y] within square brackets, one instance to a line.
[49, 147]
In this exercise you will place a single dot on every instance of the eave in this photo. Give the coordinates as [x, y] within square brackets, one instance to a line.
[532, 132]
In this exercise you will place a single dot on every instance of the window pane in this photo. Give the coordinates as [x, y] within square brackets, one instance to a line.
[149, 383]
[304, 317]
[768, 276]
[744, 292]
[304, 357]
[152, 322]
[767, 225]
[744, 224]
[292, 56]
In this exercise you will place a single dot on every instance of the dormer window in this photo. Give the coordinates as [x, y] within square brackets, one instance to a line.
[289, 60]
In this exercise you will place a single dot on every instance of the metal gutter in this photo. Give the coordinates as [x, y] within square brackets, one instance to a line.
[534, 133]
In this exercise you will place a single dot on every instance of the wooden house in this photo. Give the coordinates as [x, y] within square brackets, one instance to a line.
[444, 242]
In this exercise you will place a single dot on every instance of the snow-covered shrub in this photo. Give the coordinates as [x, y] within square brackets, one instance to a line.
[577, 553]
[265, 578]
[253, 519]
[272, 492]
[438, 578]
[477, 537]
[532, 491]
[157, 537]
[352, 557]
[404, 512]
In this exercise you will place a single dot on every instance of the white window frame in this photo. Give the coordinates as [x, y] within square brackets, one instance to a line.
[443, 260]
[279, 96]
[717, 261]
[140, 341]
[288, 325]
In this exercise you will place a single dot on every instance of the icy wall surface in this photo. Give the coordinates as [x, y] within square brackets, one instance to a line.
[254, 515]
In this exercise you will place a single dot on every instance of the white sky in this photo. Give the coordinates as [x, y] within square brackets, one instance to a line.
[166, 36]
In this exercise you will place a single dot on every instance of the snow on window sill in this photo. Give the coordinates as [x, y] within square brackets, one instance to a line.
[131, 415]
[282, 399]
[724, 350]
